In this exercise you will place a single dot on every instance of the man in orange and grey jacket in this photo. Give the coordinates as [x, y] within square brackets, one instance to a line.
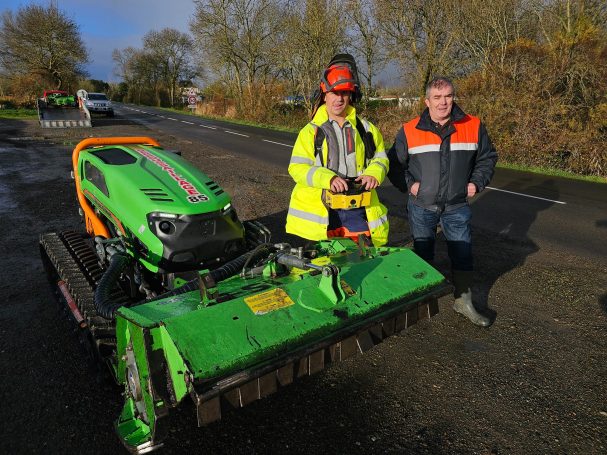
[442, 159]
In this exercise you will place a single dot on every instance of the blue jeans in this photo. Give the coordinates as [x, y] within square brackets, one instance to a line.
[456, 227]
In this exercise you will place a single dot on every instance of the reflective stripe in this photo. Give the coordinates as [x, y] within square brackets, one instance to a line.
[436, 147]
[378, 222]
[301, 160]
[424, 149]
[379, 163]
[381, 155]
[310, 175]
[464, 146]
[308, 216]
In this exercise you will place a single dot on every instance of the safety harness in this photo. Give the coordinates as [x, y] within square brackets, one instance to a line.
[356, 196]
[367, 137]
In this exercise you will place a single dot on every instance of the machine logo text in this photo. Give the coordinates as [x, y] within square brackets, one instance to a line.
[194, 196]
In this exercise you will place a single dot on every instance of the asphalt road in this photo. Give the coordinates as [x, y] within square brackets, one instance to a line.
[535, 382]
[553, 212]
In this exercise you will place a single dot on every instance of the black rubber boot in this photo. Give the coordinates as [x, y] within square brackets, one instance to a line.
[424, 248]
[462, 280]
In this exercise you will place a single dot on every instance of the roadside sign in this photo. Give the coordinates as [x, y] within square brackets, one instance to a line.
[192, 99]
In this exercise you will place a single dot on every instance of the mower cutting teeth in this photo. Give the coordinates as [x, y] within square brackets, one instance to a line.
[240, 390]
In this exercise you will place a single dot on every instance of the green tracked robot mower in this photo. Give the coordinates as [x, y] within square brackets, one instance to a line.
[181, 299]
[59, 98]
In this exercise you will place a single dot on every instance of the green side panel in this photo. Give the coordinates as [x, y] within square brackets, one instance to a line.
[123, 337]
[134, 428]
[140, 352]
[227, 337]
[130, 429]
[176, 366]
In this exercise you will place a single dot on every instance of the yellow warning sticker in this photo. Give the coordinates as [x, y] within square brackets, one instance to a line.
[268, 301]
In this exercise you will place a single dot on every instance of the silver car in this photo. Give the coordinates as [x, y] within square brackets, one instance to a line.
[98, 102]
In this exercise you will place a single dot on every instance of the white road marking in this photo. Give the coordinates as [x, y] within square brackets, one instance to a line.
[277, 143]
[209, 127]
[170, 118]
[525, 195]
[189, 123]
[238, 134]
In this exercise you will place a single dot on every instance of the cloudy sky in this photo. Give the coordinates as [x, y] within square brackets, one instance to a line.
[106, 25]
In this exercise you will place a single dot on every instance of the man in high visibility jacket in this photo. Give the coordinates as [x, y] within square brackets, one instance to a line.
[337, 163]
[442, 159]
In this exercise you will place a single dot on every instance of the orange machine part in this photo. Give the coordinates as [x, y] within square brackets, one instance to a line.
[94, 225]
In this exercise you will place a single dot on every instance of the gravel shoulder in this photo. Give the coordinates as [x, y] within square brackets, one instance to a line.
[535, 382]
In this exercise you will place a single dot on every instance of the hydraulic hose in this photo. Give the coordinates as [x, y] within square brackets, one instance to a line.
[118, 262]
[219, 274]
[230, 268]
[243, 264]
[103, 300]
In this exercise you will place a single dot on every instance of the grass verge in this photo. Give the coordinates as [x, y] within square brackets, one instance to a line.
[553, 172]
[18, 113]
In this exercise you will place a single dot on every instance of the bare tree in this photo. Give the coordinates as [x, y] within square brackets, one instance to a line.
[172, 51]
[569, 17]
[123, 60]
[487, 27]
[574, 32]
[140, 71]
[126, 69]
[420, 35]
[314, 32]
[42, 43]
[238, 39]
[365, 33]
[151, 73]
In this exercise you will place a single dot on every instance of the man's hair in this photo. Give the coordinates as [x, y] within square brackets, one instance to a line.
[439, 82]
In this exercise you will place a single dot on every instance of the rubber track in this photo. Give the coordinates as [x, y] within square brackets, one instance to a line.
[75, 262]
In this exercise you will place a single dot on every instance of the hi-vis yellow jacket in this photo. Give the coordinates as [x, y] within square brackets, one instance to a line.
[308, 217]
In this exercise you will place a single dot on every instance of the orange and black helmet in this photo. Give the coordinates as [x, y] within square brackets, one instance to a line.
[341, 74]
[338, 78]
